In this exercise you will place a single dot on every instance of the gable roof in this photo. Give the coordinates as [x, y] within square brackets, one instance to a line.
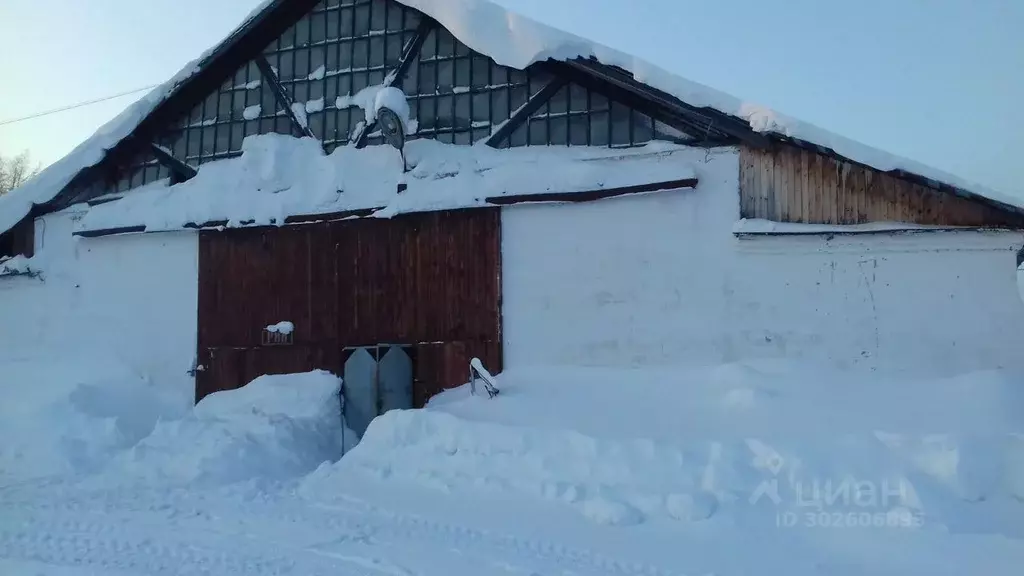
[510, 40]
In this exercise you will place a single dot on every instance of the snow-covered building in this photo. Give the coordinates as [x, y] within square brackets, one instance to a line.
[555, 202]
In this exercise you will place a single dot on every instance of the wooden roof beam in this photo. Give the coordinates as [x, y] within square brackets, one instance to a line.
[283, 99]
[180, 171]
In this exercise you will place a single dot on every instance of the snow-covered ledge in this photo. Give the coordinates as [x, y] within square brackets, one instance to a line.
[752, 227]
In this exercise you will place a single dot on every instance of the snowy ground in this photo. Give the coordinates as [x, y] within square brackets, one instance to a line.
[737, 469]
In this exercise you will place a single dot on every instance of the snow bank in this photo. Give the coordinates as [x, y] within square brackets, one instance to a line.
[71, 417]
[761, 226]
[275, 427]
[284, 327]
[743, 442]
[278, 176]
[19, 266]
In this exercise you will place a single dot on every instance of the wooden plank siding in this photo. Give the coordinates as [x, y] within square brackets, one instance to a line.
[785, 183]
[428, 280]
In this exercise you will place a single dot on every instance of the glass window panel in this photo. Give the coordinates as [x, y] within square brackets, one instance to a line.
[412, 19]
[331, 60]
[252, 127]
[162, 172]
[426, 113]
[463, 138]
[209, 140]
[318, 57]
[316, 90]
[445, 44]
[393, 47]
[194, 135]
[462, 112]
[286, 66]
[519, 97]
[499, 104]
[362, 25]
[446, 137]
[224, 106]
[240, 77]
[643, 128]
[333, 21]
[344, 121]
[355, 118]
[317, 27]
[376, 77]
[210, 107]
[222, 138]
[152, 173]
[599, 128]
[237, 135]
[538, 132]
[377, 51]
[445, 76]
[481, 72]
[283, 125]
[598, 101]
[395, 17]
[267, 101]
[559, 103]
[577, 98]
[480, 134]
[559, 131]
[302, 63]
[346, 22]
[481, 107]
[268, 125]
[330, 126]
[499, 74]
[359, 81]
[300, 92]
[444, 111]
[461, 49]
[378, 15]
[345, 85]
[330, 91]
[361, 53]
[302, 32]
[410, 85]
[178, 146]
[345, 51]
[620, 124]
[579, 125]
[287, 40]
[316, 124]
[238, 104]
[462, 78]
[429, 49]
[428, 77]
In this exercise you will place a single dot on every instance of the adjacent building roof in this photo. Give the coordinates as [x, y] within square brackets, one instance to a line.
[511, 40]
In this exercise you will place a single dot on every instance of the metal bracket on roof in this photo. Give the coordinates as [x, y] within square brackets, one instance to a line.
[409, 53]
[520, 116]
[283, 99]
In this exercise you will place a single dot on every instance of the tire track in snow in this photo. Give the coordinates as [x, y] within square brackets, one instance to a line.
[308, 526]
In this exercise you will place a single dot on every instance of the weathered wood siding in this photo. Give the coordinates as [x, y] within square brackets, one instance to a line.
[789, 184]
[429, 280]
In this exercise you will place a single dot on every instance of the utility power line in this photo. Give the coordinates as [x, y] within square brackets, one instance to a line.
[76, 105]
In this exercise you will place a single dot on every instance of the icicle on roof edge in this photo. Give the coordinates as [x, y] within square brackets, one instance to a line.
[511, 40]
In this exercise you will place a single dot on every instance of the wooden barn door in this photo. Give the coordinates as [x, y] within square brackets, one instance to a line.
[427, 283]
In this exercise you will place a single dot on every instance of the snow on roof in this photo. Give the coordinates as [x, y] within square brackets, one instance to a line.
[511, 40]
[278, 176]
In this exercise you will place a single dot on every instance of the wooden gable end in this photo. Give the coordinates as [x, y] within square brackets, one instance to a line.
[784, 183]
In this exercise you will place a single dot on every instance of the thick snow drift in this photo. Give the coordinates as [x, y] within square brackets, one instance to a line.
[275, 427]
[755, 444]
[65, 417]
[279, 176]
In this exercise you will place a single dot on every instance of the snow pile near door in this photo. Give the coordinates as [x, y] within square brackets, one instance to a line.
[71, 418]
[279, 176]
[736, 443]
[275, 427]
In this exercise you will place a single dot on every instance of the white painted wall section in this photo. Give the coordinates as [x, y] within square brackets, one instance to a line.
[661, 279]
[123, 301]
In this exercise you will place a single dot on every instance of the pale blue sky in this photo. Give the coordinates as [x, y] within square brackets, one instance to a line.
[939, 81]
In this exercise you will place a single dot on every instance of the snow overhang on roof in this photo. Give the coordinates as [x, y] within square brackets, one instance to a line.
[511, 40]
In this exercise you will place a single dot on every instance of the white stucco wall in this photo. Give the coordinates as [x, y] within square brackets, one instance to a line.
[105, 304]
[661, 279]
